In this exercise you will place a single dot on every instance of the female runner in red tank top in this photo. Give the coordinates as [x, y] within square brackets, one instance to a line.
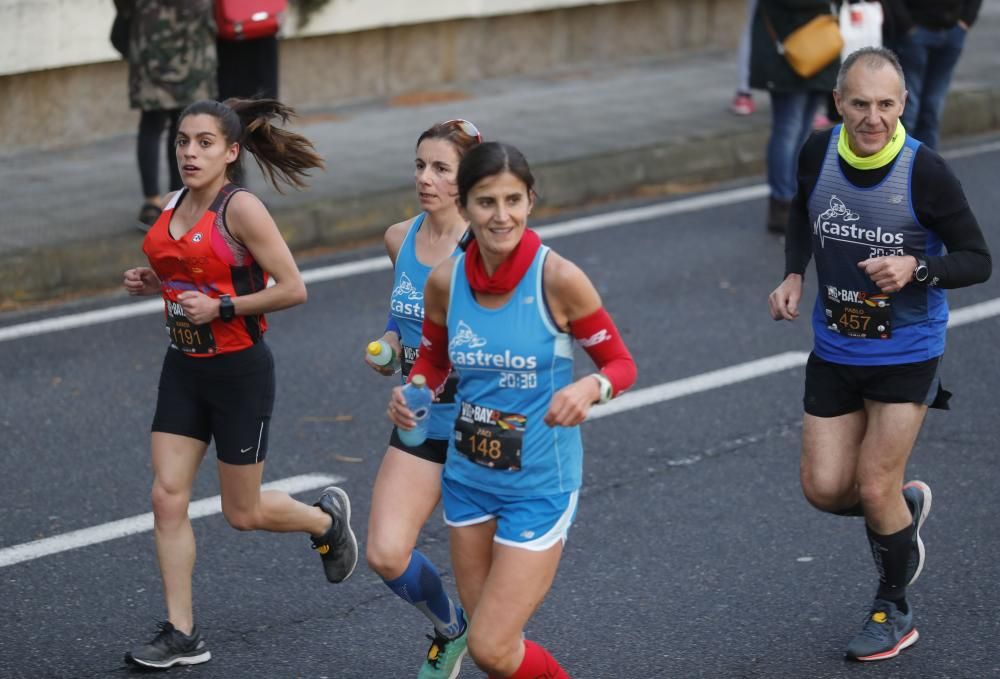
[211, 254]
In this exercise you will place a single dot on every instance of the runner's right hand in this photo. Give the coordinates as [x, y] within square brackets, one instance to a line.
[141, 281]
[783, 303]
[387, 370]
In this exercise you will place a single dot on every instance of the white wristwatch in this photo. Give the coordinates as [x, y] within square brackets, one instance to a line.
[606, 390]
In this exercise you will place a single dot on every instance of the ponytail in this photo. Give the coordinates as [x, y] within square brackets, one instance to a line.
[283, 156]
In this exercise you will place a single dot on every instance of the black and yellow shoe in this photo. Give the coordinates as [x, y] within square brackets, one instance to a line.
[337, 547]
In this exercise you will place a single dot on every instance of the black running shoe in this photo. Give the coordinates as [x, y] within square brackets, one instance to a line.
[338, 547]
[170, 647]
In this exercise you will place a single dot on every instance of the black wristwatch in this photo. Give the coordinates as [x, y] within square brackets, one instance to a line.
[921, 273]
[227, 310]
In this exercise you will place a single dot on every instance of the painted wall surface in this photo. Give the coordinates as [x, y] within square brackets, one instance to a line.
[42, 34]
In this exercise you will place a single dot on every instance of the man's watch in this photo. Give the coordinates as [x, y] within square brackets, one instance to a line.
[227, 310]
[921, 273]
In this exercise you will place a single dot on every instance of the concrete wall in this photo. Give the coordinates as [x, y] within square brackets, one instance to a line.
[43, 34]
[337, 58]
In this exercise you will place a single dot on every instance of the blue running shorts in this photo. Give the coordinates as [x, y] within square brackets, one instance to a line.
[534, 523]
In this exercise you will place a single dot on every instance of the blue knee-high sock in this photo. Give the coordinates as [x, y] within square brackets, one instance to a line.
[420, 584]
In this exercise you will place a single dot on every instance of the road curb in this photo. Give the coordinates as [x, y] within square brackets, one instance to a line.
[46, 273]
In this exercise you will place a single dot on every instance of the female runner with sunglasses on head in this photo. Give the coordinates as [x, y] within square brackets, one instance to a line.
[504, 314]
[408, 485]
[211, 253]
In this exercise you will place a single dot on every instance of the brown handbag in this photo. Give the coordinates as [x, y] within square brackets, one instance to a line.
[812, 46]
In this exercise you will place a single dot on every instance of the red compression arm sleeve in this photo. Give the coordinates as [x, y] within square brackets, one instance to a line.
[432, 361]
[600, 338]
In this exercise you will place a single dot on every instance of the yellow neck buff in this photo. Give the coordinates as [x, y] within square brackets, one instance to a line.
[876, 160]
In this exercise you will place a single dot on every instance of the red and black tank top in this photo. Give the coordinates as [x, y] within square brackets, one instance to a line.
[210, 260]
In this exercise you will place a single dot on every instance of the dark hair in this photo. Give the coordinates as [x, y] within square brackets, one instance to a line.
[872, 58]
[281, 155]
[489, 159]
[453, 132]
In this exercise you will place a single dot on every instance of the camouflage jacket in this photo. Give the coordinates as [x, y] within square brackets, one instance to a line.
[172, 60]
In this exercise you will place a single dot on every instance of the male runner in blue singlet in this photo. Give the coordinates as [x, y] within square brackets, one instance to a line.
[890, 229]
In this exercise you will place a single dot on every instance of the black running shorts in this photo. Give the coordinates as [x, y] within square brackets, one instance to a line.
[434, 450]
[228, 398]
[833, 389]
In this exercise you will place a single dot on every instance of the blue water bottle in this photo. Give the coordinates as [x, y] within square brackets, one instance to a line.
[418, 399]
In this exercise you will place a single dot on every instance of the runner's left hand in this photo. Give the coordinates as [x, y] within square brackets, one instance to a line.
[570, 405]
[198, 307]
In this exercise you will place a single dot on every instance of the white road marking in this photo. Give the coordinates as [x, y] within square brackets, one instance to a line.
[144, 522]
[753, 369]
[648, 212]
[974, 312]
[80, 320]
[698, 383]
[974, 150]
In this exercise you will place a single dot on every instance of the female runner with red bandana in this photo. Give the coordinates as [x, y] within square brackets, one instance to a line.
[211, 253]
[504, 314]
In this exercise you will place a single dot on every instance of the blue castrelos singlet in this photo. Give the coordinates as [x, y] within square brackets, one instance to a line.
[407, 307]
[853, 322]
[510, 362]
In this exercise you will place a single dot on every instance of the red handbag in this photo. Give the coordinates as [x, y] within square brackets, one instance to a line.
[249, 19]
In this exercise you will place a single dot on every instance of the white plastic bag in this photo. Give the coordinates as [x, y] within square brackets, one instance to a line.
[860, 25]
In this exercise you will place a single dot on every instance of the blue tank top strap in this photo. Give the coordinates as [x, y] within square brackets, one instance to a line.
[409, 244]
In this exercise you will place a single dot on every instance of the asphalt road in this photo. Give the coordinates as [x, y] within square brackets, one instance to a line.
[693, 554]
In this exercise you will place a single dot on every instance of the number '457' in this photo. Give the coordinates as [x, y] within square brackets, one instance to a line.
[854, 321]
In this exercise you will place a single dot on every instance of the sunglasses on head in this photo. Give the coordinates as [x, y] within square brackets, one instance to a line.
[465, 126]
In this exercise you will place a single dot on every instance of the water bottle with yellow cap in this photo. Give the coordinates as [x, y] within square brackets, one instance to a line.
[382, 354]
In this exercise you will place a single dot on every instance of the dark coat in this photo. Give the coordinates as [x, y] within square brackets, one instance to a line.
[903, 15]
[768, 69]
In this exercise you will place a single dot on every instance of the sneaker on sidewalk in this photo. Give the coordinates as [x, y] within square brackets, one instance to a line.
[444, 657]
[338, 547]
[148, 214]
[170, 647]
[777, 215]
[918, 499]
[821, 122]
[887, 631]
[742, 104]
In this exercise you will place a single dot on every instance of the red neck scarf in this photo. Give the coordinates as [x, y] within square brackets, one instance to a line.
[509, 273]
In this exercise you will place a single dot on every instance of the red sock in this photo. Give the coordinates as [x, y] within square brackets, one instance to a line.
[538, 664]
